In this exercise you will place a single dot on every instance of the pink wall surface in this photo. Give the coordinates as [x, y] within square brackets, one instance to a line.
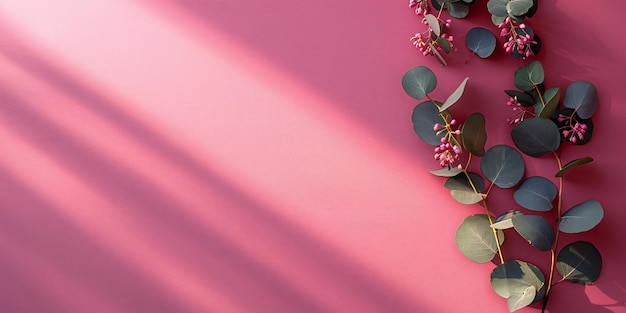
[258, 156]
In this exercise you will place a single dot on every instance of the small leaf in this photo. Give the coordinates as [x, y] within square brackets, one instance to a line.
[536, 193]
[527, 77]
[437, 55]
[419, 81]
[445, 44]
[581, 96]
[481, 41]
[571, 164]
[551, 98]
[475, 239]
[503, 166]
[579, 262]
[455, 96]
[461, 189]
[425, 116]
[523, 98]
[536, 136]
[582, 217]
[505, 221]
[535, 229]
[518, 7]
[519, 282]
[474, 135]
[446, 172]
[433, 23]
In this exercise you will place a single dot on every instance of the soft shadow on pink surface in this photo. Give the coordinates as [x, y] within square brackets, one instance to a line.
[262, 28]
[211, 257]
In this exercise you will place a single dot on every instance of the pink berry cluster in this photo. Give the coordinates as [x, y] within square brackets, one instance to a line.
[517, 38]
[421, 6]
[573, 130]
[520, 111]
[428, 42]
[448, 152]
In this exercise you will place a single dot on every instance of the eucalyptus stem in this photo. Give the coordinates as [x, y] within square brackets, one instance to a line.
[556, 238]
[469, 179]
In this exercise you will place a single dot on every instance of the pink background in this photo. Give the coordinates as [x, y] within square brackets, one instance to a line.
[258, 156]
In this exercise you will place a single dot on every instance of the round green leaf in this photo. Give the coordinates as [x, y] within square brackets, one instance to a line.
[419, 81]
[458, 9]
[536, 193]
[581, 96]
[571, 164]
[527, 77]
[425, 116]
[481, 41]
[497, 7]
[503, 166]
[521, 283]
[579, 262]
[461, 189]
[581, 217]
[474, 135]
[535, 229]
[536, 136]
[518, 7]
[497, 20]
[475, 239]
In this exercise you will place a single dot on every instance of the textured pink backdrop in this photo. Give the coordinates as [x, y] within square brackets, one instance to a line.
[231, 156]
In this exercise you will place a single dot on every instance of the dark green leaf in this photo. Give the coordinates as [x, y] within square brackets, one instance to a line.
[581, 217]
[505, 221]
[536, 136]
[419, 81]
[535, 229]
[475, 239]
[474, 135]
[503, 166]
[458, 9]
[579, 262]
[527, 77]
[425, 116]
[481, 41]
[461, 189]
[536, 193]
[519, 282]
[571, 164]
[581, 96]
[455, 96]
[523, 98]
[551, 98]
[518, 7]
[445, 44]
